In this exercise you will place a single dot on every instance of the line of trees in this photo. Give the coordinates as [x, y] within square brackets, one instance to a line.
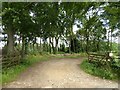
[52, 23]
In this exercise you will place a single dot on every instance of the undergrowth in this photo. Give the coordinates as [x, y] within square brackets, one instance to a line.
[99, 71]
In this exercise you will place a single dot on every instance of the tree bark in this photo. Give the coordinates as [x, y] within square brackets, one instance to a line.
[26, 46]
[40, 47]
[56, 46]
[50, 46]
[52, 43]
[23, 47]
[87, 41]
[70, 46]
[10, 42]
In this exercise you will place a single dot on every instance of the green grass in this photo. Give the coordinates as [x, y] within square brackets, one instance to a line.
[93, 69]
[10, 74]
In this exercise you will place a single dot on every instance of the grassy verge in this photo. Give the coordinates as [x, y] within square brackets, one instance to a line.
[10, 74]
[93, 69]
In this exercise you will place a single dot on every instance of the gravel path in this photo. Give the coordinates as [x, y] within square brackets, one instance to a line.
[60, 73]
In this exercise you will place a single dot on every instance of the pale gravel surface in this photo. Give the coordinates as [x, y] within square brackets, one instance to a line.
[59, 73]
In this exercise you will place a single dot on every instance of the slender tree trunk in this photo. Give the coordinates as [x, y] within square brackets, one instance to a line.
[50, 45]
[73, 45]
[47, 47]
[87, 45]
[87, 42]
[111, 41]
[37, 46]
[82, 48]
[26, 46]
[23, 47]
[34, 42]
[108, 44]
[71, 37]
[56, 47]
[53, 46]
[19, 42]
[33, 46]
[30, 46]
[70, 46]
[40, 48]
[44, 46]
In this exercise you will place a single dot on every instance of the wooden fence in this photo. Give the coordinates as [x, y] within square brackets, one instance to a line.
[10, 60]
[103, 58]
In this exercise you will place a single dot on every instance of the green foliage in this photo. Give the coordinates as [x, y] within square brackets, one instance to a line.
[8, 74]
[90, 37]
[115, 47]
[93, 69]
[35, 52]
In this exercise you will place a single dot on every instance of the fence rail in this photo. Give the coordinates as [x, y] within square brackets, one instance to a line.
[102, 57]
[10, 60]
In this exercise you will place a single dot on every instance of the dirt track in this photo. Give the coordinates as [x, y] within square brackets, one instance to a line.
[61, 73]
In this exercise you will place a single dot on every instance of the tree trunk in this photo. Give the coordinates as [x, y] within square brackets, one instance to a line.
[108, 43]
[81, 44]
[111, 41]
[26, 46]
[71, 37]
[19, 46]
[10, 42]
[37, 46]
[34, 42]
[50, 45]
[87, 41]
[53, 46]
[33, 46]
[23, 47]
[87, 45]
[40, 47]
[70, 46]
[73, 45]
[56, 46]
